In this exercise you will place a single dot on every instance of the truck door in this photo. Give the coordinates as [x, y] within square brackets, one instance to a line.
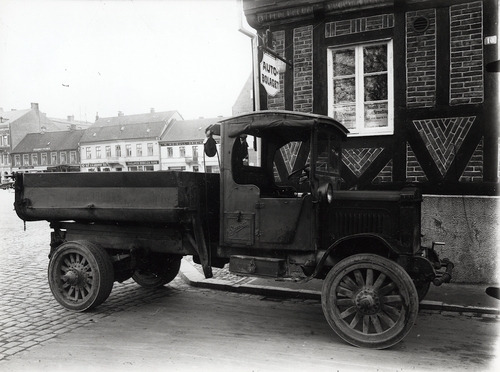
[263, 206]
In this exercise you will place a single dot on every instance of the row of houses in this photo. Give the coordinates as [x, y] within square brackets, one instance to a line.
[143, 142]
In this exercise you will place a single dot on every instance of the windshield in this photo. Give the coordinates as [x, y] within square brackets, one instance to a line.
[329, 155]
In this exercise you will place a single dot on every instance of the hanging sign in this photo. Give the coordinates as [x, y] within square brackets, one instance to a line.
[269, 75]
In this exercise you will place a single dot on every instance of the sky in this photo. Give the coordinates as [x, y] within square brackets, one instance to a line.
[91, 57]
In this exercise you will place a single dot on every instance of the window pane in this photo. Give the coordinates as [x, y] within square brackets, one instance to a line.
[376, 115]
[375, 58]
[375, 88]
[343, 62]
[344, 91]
[346, 115]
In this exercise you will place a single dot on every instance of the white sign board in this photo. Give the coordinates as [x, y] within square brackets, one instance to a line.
[269, 75]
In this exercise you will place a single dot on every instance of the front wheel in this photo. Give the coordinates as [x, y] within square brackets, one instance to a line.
[80, 275]
[369, 301]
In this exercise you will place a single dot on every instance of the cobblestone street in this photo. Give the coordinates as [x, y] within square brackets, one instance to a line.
[29, 315]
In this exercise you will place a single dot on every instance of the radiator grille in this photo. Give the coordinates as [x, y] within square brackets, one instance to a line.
[347, 222]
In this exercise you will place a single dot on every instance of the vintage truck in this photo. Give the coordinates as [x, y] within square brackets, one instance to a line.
[281, 214]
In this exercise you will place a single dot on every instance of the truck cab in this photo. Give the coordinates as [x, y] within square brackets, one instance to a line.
[270, 201]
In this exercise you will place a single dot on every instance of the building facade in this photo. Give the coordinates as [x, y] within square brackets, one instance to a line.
[125, 142]
[48, 151]
[16, 124]
[182, 147]
[410, 80]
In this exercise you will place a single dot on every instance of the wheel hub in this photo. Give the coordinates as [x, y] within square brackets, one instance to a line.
[71, 277]
[76, 275]
[367, 302]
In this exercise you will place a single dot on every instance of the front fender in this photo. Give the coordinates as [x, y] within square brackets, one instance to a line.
[359, 243]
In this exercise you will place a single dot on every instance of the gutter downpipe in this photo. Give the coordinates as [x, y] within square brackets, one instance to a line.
[255, 66]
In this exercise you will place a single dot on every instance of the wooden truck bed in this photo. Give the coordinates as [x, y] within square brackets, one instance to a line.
[132, 197]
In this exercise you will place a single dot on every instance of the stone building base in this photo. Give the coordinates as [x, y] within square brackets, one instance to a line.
[469, 225]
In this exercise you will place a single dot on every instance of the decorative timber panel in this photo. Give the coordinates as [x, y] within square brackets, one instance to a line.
[443, 138]
[358, 160]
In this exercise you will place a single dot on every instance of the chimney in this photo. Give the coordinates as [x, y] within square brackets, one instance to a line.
[34, 106]
[71, 117]
[96, 116]
[120, 113]
[152, 110]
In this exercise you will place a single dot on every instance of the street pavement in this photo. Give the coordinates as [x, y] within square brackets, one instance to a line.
[466, 299]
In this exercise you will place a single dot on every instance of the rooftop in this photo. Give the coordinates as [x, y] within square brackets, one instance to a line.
[49, 141]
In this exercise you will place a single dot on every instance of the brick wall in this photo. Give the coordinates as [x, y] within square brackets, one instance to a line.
[466, 53]
[414, 171]
[385, 175]
[278, 101]
[303, 69]
[474, 170]
[421, 60]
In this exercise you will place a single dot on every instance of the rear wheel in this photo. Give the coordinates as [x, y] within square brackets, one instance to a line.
[369, 301]
[157, 271]
[80, 275]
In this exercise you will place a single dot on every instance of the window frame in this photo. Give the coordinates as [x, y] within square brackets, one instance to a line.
[359, 75]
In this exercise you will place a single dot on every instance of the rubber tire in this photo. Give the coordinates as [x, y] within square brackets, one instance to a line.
[394, 274]
[99, 265]
[149, 279]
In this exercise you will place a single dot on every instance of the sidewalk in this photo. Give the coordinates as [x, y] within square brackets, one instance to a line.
[469, 299]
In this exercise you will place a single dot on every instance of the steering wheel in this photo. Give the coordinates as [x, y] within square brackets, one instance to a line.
[300, 170]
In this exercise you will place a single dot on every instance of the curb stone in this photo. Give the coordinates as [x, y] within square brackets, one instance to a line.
[195, 278]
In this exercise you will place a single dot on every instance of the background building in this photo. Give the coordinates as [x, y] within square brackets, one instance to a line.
[16, 124]
[48, 151]
[408, 79]
[125, 143]
[182, 147]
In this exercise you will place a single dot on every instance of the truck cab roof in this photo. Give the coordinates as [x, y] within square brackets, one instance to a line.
[260, 122]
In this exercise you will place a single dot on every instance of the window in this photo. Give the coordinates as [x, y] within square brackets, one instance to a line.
[17, 160]
[98, 152]
[6, 140]
[150, 149]
[26, 159]
[138, 150]
[108, 151]
[88, 154]
[53, 158]
[72, 157]
[360, 86]
[34, 159]
[170, 152]
[62, 157]
[128, 150]
[118, 150]
[195, 153]
[43, 158]
[182, 151]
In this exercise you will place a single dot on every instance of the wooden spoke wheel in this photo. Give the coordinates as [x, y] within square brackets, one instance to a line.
[369, 301]
[80, 275]
[157, 273]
